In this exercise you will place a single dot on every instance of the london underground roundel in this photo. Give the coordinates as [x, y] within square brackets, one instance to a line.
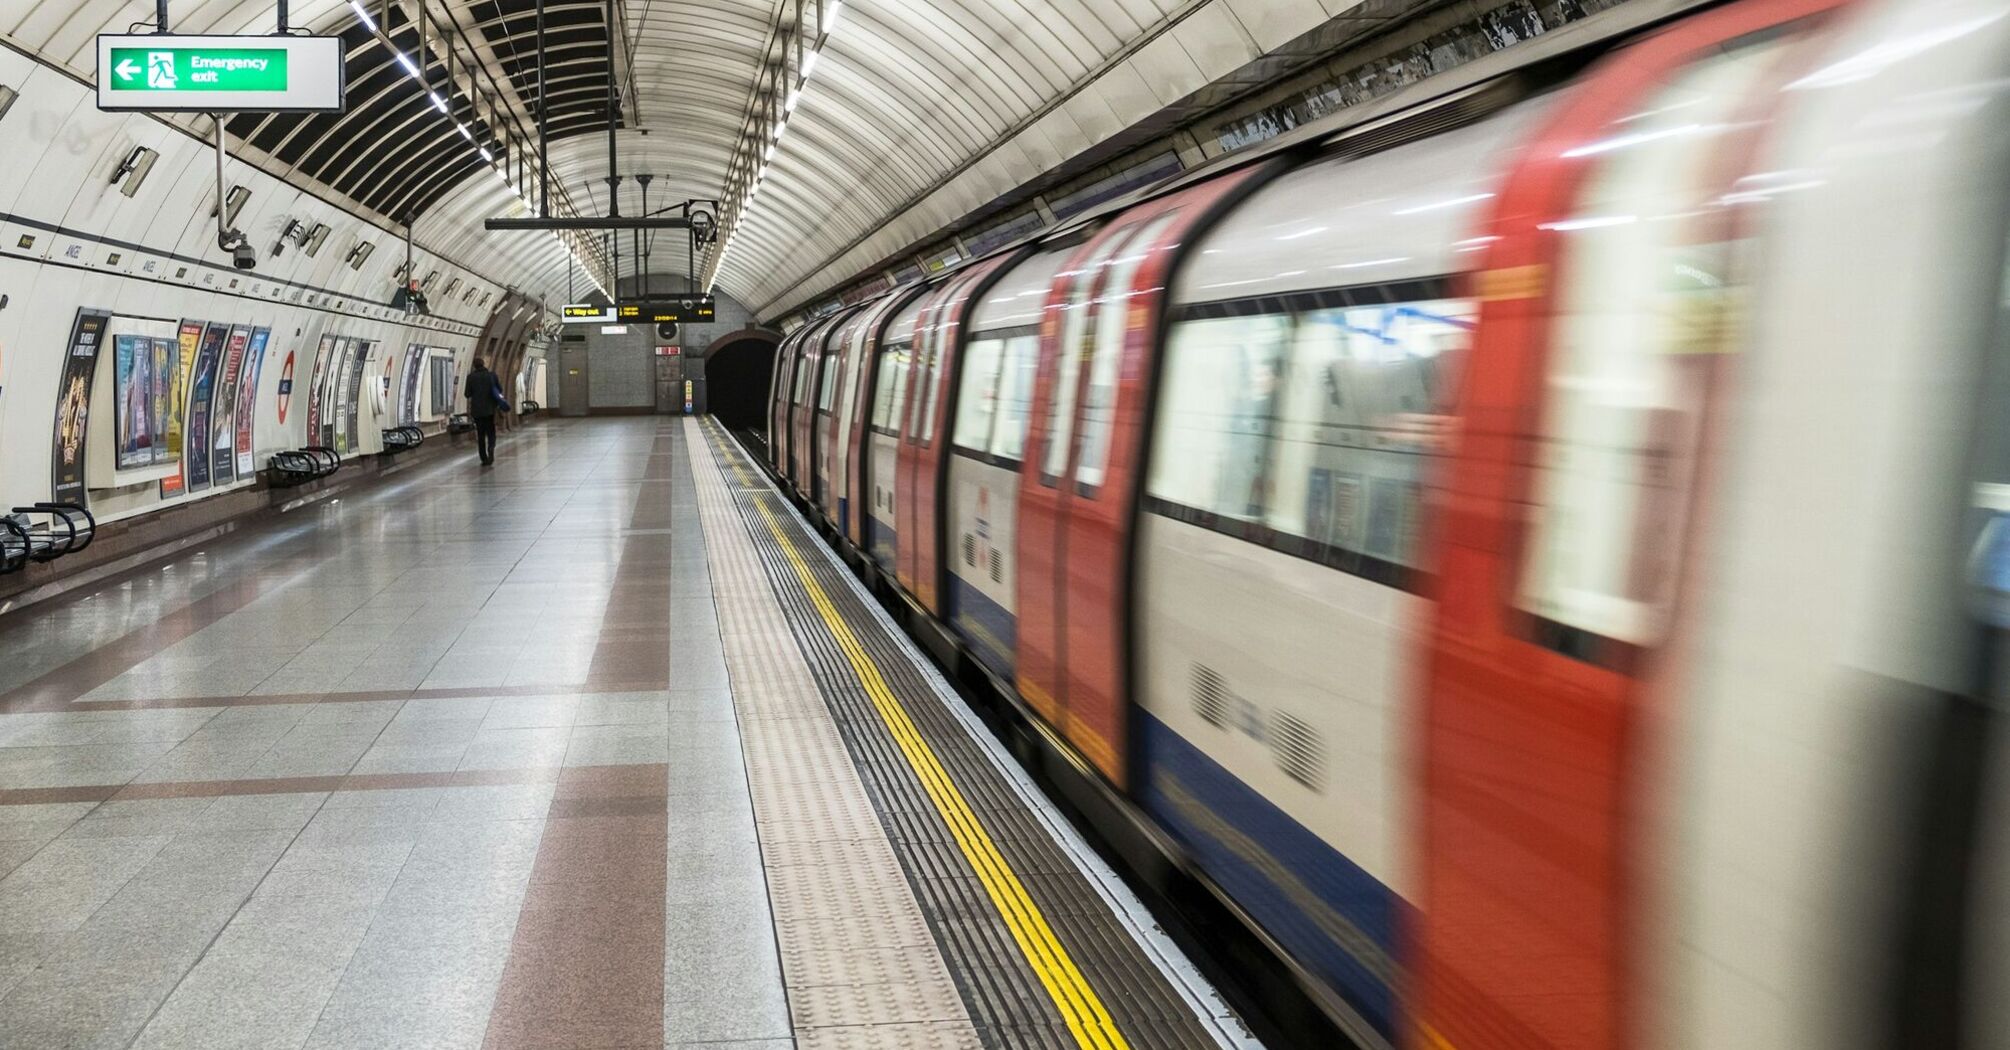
[286, 387]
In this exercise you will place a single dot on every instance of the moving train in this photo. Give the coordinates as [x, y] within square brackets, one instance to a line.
[1539, 543]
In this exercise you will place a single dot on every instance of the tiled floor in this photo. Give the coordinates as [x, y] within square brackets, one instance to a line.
[455, 761]
[394, 772]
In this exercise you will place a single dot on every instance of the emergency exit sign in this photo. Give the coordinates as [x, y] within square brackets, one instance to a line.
[220, 74]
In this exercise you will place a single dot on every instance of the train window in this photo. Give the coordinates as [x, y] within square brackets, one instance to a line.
[922, 363]
[1015, 396]
[978, 402]
[891, 389]
[1641, 317]
[827, 389]
[1113, 326]
[1214, 417]
[1083, 285]
[1366, 395]
[802, 386]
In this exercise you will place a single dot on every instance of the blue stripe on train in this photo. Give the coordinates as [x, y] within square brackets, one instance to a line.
[992, 632]
[1309, 897]
[880, 541]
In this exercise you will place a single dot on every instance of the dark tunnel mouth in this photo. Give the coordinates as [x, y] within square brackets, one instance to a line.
[737, 373]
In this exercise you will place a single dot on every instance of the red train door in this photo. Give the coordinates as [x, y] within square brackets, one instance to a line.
[859, 452]
[1098, 356]
[778, 403]
[1582, 451]
[921, 378]
[940, 344]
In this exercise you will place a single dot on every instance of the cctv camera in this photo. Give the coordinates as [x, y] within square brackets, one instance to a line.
[244, 257]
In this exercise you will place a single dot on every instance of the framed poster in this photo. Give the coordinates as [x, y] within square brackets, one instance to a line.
[223, 416]
[134, 429]
[334, 414]
[167, 363]
[315, 383]
[408, 414]
[443, 386]
[359, 365]
[187, 342]
[195, 465]
[247, 399]
[73, 405]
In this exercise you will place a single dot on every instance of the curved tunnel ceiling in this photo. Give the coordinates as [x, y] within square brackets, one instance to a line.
[905, 95]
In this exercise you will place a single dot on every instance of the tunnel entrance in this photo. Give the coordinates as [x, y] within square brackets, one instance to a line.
[738, 369]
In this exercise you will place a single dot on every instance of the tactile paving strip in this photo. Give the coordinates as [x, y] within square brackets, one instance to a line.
[859, 962]
[1005, 998]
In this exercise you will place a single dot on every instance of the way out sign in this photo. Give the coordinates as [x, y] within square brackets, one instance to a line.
[160, 73]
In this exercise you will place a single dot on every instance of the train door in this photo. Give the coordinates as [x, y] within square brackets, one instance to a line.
[778, 401]
[1606, 327]
[927, 463]
[923, 393]
[1078, 490]
[840, 363]
[888, 411]
[855, 413]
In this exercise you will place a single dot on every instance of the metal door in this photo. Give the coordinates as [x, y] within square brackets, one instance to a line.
[572, 379]
[669, 385]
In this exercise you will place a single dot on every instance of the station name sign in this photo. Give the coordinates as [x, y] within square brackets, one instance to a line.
[698, 309]
[168, 72]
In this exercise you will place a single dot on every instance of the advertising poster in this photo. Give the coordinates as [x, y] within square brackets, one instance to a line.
[133, 378]
[443, 386]
[314, 385]
[408, 413]
[202, 391]
[247, 399]
[73, 405]
[223, 414]
[358, 366]
[167, 361]
[187, 342]
[331, 397]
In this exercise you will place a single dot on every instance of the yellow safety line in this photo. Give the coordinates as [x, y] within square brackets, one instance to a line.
[1083, 1010]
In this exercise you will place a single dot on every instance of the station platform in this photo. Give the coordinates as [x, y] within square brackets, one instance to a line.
[596, 748]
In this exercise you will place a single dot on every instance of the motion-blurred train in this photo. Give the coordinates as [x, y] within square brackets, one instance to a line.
[1539, 543]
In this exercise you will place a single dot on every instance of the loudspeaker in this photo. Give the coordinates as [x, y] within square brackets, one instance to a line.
[666, 330]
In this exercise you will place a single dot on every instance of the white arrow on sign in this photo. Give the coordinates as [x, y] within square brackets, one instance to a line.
[125, 69]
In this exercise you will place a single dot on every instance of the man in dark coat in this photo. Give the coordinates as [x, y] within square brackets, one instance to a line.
[484, 393]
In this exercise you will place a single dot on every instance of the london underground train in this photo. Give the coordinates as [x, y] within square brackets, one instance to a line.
[1540, 546]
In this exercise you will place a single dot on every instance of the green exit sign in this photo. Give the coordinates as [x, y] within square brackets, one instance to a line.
[199, 69]
[219, 74]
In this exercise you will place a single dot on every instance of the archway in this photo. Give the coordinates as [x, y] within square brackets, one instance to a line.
[738, 368]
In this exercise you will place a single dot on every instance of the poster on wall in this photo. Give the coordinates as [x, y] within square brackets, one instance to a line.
[333, 434]
[133, 379]
[322, 354]
[247, 399]
[408, 412]
[223, 415]
[443, 386]
[202, 390]
[186, 342]
[73, 404]
[354, 410]
[167, 363]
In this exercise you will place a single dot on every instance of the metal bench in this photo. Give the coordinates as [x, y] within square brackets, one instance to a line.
[403, 439]
[303, 465]
[68, 528]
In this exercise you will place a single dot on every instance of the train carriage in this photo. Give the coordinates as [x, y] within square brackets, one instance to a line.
[1539, 554]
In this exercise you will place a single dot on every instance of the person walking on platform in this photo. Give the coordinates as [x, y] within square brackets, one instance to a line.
[485, 399]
